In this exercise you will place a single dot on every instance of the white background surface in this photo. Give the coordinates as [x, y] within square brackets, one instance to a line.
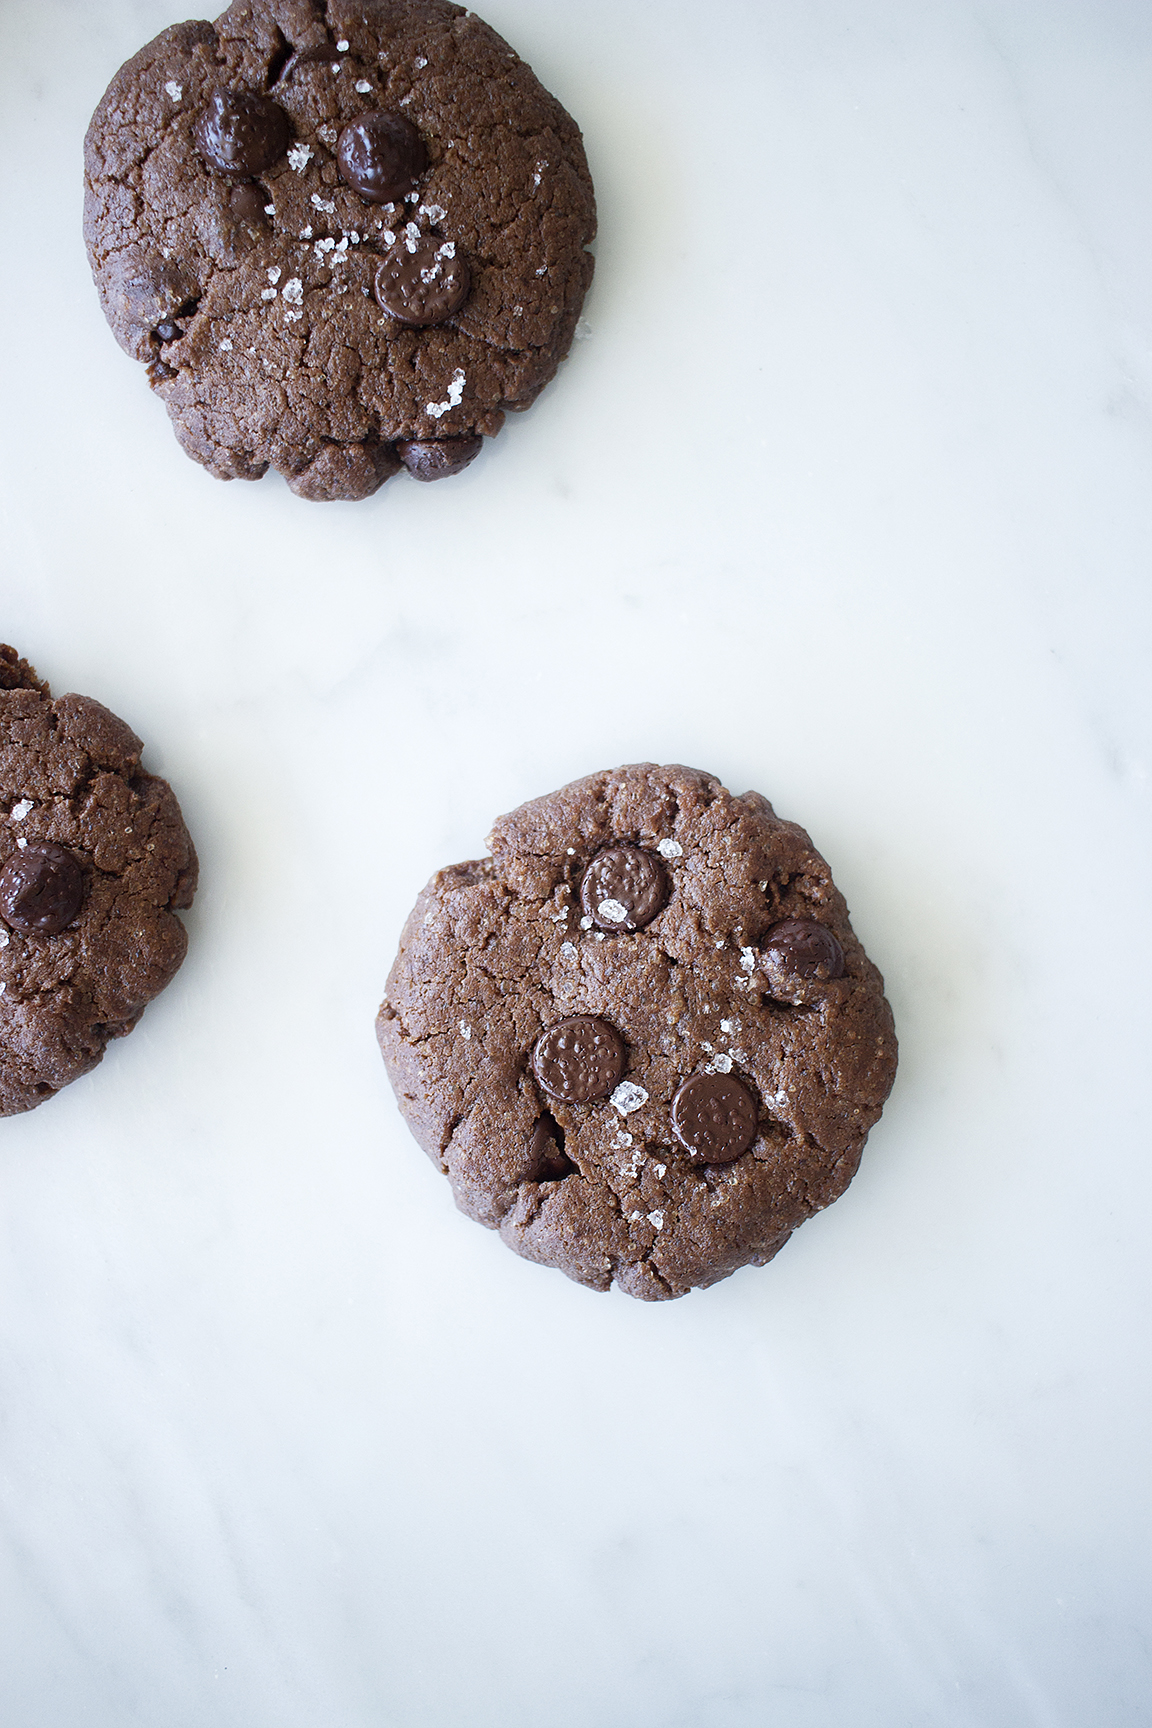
[847, 499]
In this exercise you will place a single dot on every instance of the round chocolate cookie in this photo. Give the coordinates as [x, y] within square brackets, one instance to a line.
[342, 239]
[640, 1039]
[95, 861]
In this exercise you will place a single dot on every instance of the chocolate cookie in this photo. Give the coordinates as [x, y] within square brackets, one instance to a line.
[341, 237]
[94, 862]
[640, 1039]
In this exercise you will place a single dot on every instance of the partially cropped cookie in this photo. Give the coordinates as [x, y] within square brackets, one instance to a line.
[95, 863]
[342, 239]
[641, 1039]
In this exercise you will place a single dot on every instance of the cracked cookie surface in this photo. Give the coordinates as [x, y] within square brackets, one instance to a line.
[95, 862]
[758, 1048]
[264, 304]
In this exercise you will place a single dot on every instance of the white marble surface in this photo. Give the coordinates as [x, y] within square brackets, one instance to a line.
[846, 498]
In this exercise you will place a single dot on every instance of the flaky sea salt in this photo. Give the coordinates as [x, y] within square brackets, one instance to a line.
[720, 1064]
[465, 1030]
[342, 46]
[267, 293]
[454, 398]
[656, 1219]
[568, 949]
[275, 273]
[613, 911]
[325, 204]
[19, 811]
[670, 849]
[174, 90]
[363, 88]
[420, 62]
[293, 291]
[226, 345]
[628, 1097]
[299, 156]
[748, 959]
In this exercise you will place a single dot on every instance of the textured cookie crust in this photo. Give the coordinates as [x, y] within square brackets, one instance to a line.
[70, 774]
[282, 357]
[498, 950]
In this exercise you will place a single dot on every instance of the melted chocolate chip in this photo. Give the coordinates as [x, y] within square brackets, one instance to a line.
[247, 205]
[422, 282]
[381, 156]
[802, 948]
[437, 458]
[241, 132]
[547, 1161]
[579, 1060]
[714, 1117]
[623, 888]
[41, 889]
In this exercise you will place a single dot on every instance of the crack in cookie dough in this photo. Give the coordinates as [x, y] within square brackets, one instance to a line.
[70, 778]
[279, 268]
[638, 1205]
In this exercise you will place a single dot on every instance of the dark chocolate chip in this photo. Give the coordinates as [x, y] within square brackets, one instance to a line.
[802, 948]
[714, 1117]
[241, 132]
[41, 888]
[422, 281]
[381, 156]
[168, 332]
[547, 1161]
[247, 205]
[623, 888]
[579, 1060]
[158, 373]
[437, 458]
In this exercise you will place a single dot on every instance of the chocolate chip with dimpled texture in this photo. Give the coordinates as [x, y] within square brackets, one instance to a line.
[241, 132]
[623, 888]
[803, 948]
[714, 1117]
[438, 458]
[381, 156]
[41, 889]
[579, 1060]
[422, 282]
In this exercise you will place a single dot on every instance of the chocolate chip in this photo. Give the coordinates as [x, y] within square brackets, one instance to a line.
[168, 332]
[437, 458]
[623, 888]
[41, 889]
[242, 133]
[247, 205]
[158, 373]
[547, 1161]
[422, 281]
[714, 1117]
[802, 948]
[579, 1060]
[381, 156]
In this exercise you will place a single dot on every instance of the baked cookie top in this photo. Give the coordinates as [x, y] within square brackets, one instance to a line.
[95, 861]
[640, 1039]
[334, 230]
